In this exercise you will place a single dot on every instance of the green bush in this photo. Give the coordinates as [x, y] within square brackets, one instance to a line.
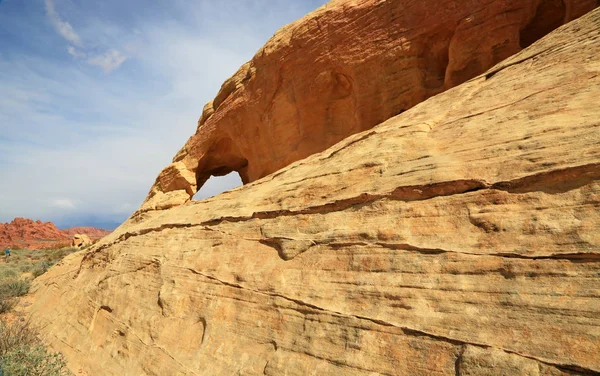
[18, 287]
[38, 270]
[11, 288]
[33, 361]
[23, 354]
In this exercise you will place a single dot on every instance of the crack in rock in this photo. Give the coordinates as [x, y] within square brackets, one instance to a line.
[405, 330]
[554, 181]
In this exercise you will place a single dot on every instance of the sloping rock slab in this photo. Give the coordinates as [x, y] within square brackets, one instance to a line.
[343, 69]
[459, 238]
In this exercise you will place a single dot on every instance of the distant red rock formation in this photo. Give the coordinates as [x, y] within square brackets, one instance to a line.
[26, 233]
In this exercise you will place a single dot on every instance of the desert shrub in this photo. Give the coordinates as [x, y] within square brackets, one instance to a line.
[36, 262]
[10, 289]
[37, 271]
[33, 361]
[23, 354]
[41, 268]
[6, 305]
[59, 254]
[16, 334]
[25, 266]
[8, 273]
[45, 265]
[13, 288]
[55, 255]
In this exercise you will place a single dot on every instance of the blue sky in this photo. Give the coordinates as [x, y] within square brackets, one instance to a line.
[97, 96]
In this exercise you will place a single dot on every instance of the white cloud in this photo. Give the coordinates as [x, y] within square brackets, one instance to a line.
[62, 203]
[62, 27]
[75, 52]
[109, 61]
[75, 144]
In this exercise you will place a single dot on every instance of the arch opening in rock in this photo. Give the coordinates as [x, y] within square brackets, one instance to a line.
[216, 185]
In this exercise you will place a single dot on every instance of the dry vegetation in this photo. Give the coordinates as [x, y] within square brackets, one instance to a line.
[21, 351]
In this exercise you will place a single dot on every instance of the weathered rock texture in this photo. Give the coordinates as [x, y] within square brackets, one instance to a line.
[80, 240]
[343, 69]
[459, 238]
[29, 234]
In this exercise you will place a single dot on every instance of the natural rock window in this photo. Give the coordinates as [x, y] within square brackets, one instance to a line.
[218, 184]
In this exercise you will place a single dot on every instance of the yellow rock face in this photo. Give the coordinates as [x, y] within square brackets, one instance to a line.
[461, 237]
[80, 240]
[343, 69]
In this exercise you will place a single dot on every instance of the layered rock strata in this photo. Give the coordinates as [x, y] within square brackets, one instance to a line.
[461, 237]
[343, 69]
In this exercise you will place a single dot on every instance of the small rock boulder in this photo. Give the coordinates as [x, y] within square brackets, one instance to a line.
[80, 240]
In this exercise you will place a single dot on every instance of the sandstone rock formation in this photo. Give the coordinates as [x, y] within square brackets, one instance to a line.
[80, 241]
[343, 69]
[23, 233]
[461, 237]
[91, 232]
[29, 234]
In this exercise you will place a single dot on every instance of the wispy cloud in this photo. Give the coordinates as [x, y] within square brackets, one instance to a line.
[62, 27]
[75, 52]
[77, 143]
[109, 61]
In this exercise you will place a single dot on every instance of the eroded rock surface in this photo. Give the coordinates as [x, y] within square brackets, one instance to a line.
[343, 69]
[80, 241]
[459, 238]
